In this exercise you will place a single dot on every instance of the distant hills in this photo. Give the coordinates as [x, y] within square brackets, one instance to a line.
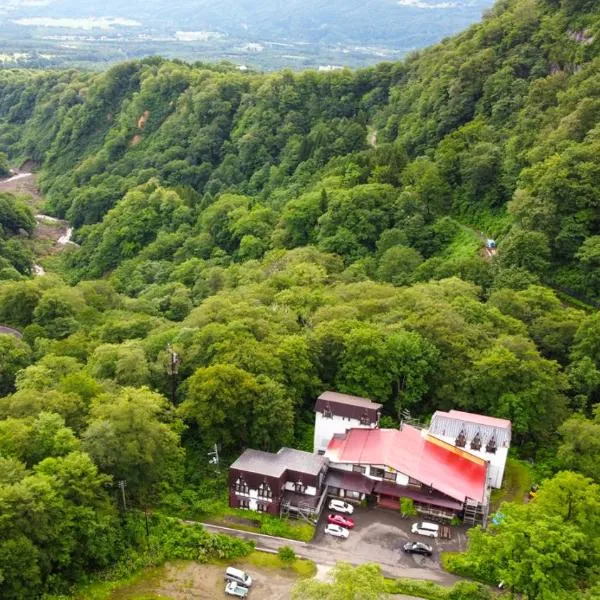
[305, 33]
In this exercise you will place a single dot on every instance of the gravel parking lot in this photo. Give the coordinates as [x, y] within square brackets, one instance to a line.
[186, 580]
[379, 535]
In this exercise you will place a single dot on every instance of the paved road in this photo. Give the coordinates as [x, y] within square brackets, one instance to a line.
[328, 555]
[10, 331]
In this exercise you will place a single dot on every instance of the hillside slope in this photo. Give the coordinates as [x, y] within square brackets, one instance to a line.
[469, 127]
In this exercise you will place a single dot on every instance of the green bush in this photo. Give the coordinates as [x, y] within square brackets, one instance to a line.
[286, 554]
[275, 526]
[415, 587]
[469, 590]
[407, 507]
[463, 590]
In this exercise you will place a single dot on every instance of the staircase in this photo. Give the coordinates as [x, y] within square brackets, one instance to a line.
[475, 513]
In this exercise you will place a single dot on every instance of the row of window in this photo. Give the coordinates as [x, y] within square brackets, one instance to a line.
[476, 443]
[375, 472]
[264, 491]
[364, 419]
[246, 504]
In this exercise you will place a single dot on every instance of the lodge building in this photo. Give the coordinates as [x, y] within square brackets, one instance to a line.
[447, 469]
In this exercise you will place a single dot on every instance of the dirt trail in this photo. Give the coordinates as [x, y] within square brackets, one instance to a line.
[372, 137]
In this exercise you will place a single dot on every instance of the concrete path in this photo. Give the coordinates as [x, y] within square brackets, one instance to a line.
[10, 331]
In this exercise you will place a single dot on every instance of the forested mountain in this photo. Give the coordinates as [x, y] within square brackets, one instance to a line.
[290, 233]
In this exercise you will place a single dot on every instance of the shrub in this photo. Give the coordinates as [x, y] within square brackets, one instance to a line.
[415, 587]
[407, 507]
[469, 590]
[286, 554]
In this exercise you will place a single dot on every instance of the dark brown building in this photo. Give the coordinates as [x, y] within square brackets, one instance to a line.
[286, 482]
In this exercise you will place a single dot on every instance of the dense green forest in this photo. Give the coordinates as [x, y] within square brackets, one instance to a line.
[290, 233]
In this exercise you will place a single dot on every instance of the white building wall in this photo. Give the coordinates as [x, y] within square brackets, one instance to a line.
[402, 479]
[497, 460]
[341, 466]
[291, 487]
[326, 427]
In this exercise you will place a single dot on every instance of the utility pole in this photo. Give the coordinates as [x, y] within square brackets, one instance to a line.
[122, 484]
[147, 528]
[214, 460]
[173, 370]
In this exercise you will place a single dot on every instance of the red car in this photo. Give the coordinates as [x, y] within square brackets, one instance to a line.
[341, 520]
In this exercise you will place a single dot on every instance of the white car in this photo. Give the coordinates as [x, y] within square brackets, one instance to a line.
[337, 531]
[426, 529]
[340, 506]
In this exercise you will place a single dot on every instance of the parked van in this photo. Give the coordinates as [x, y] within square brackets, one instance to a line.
[238, 576]
[426, 529]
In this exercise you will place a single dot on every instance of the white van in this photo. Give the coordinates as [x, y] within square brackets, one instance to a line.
[238, 576]
[426, 529]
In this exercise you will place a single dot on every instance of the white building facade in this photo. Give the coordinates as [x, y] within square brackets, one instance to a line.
[336, 413]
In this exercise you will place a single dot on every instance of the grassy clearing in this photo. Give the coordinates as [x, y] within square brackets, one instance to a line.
[300, 566]
[492, 223]
[102, 590]
[517, 482]
[465, 243]
[186, 578]
[260, 523]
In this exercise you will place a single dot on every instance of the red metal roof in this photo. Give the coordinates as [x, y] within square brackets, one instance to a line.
[440, 466]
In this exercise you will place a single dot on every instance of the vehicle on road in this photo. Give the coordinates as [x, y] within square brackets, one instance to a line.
[426, 529]
[346, 522]
[235, 589]
[238, 576]
[341, 506]
[418, 548]
[337, 531]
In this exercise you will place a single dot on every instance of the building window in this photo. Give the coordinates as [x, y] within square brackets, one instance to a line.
[359, 469]
[377, 472]
[300, 487]
[245, 504]
[476, 442]
[241, 487]
[364, 419]
[264, 491]
[327, 414]
[389, 476]
[321, 452]
[261, 508]
[414, 482]
[461, 440]
[491, 446]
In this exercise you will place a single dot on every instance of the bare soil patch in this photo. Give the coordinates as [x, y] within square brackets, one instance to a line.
[184, 580]
[25, 184]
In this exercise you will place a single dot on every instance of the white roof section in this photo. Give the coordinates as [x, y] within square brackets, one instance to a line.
[450, 424]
